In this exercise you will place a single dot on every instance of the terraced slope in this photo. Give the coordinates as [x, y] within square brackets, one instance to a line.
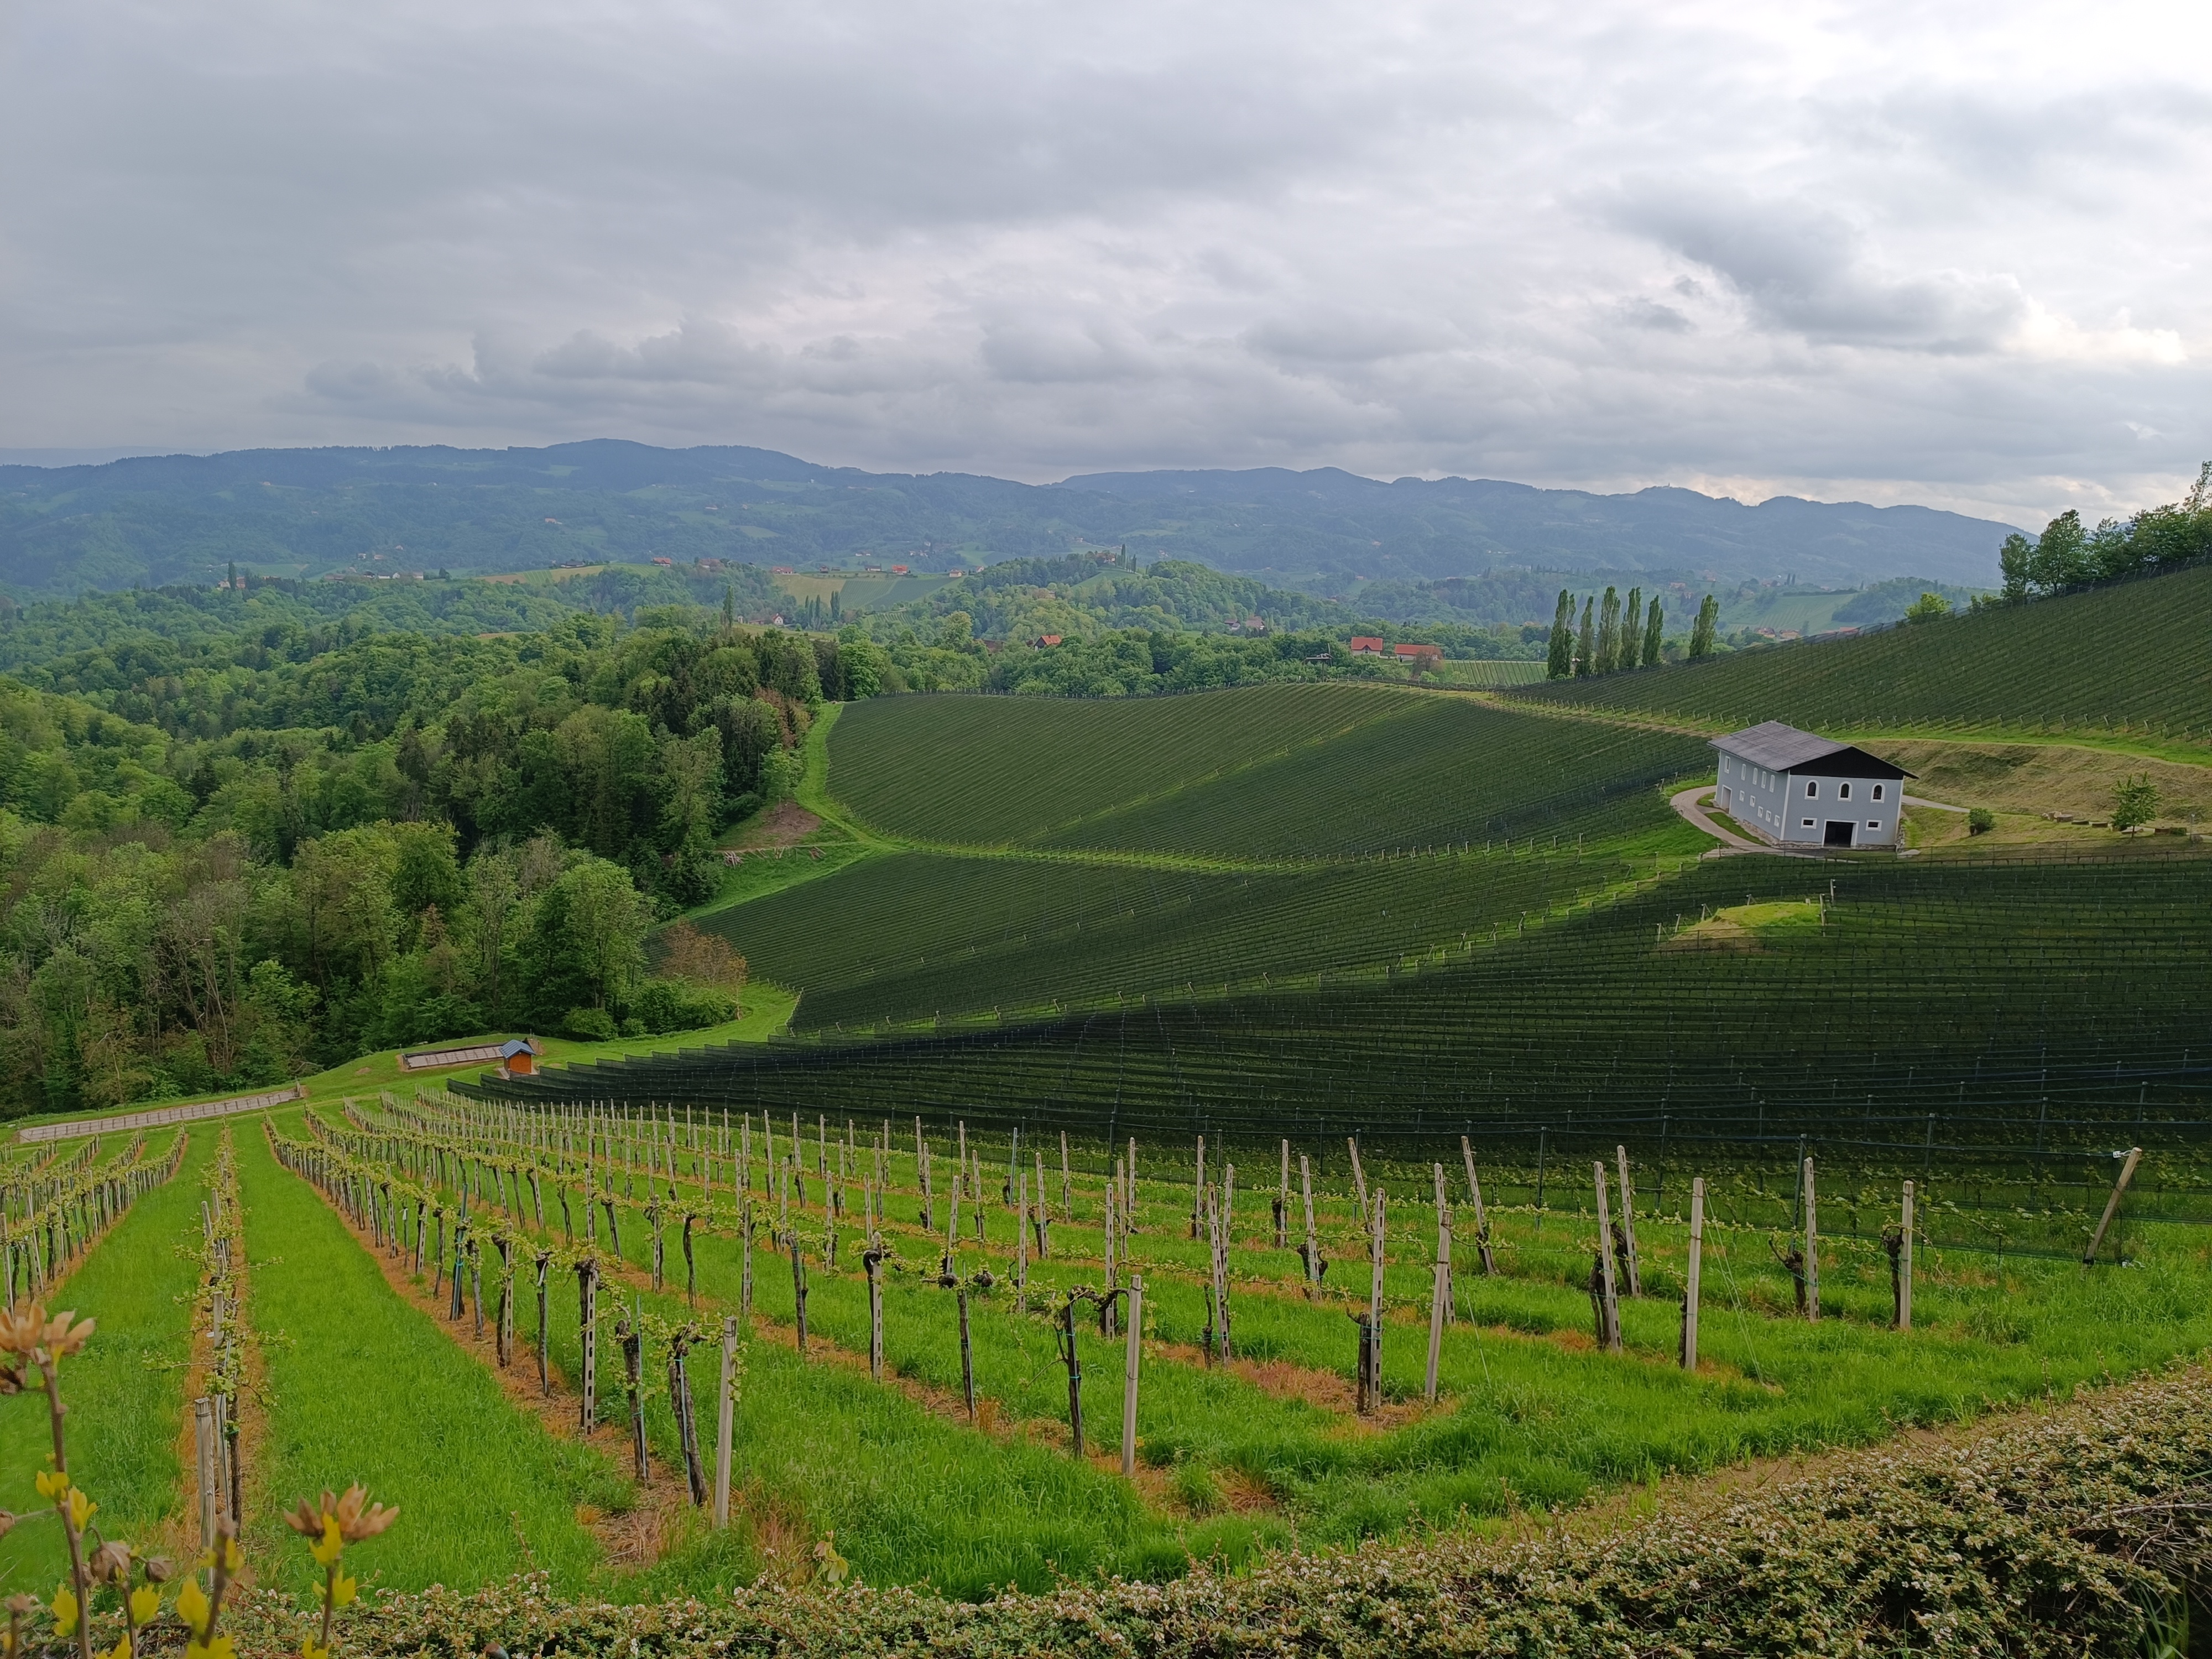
[1440, 771]
[991, 771]
[912, 935]
[2128, 658]
[2021, 994]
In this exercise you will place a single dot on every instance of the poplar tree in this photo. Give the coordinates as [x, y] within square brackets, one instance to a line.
[1631, 629]
[1586, 652]
[1608, 633]
[1654, 623]
[1560, 659]
[1702, 630]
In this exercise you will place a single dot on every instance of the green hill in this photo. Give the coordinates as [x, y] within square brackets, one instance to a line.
[2021, 1001]
[1091, 852]
[2129, 660]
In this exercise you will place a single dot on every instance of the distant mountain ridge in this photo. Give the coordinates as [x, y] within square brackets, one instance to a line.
[307, 512]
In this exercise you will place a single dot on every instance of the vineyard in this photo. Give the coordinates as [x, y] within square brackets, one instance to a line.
[2125, 660]
[520, 1326]
[1957, 1001]
[995, 771]
[1231, 1155]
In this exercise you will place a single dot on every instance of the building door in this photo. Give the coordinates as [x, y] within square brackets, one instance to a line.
[1723, 802]
[1839, 832]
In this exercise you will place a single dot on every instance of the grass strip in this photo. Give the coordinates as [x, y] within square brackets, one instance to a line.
[363, 1388]
[124, 1392]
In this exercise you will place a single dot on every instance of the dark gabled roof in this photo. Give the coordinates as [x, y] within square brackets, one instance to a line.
[518, 1046]
[1780, 748]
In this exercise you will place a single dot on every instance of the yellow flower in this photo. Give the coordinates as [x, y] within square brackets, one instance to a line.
[145, 1604]
[64, 1606]
[192, 1605]
[221, 1648]
[52, 1483]
[327, 1552]
[343, 1590]
[80, 1507]
[233, 1557]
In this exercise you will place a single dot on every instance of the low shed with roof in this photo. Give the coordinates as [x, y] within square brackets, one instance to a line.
[1799, 789]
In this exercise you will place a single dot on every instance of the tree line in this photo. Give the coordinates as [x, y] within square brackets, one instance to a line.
[463, 835]
[2067, 555]
[1614, 635]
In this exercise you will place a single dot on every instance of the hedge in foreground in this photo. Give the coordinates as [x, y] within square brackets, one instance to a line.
[2066, 1533]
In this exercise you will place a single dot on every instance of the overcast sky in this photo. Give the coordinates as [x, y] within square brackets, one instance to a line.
[1948, 253]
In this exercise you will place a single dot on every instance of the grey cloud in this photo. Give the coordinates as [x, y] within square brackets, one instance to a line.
[1808, 269]
[1914, 253]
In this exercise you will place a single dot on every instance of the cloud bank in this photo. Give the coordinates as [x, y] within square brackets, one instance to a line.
[1881, 251]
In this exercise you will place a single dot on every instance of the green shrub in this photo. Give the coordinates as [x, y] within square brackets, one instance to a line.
[592, 1024]
[661, 1006]
[1980, 820]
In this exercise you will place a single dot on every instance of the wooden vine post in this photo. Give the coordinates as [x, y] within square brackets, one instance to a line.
[1282, 1200]
[966, 1358]
[587, 1327]
[1313, 1241]
[1216, 1230]
[2112, 1205]
[1628, 1225]
[1605, 1291]
[1439, 1286]
[872, 1261]
[1132, 1355]
[1481, 1218]
[1903, 1258]
[633, 1351]
[798, 1284]
[725, 1416]
[1812, 1252]
[1041, 1216]
[1370, 1390]
[1021, 1185]
[1693, 1274]
[544, 1331]
[1198, 1188]
[1358, 1175]
[746, 1258]
[1066, 1185]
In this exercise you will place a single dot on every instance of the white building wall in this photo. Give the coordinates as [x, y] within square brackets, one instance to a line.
[1777, 805]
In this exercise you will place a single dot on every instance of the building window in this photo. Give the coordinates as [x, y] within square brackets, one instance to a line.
[1811, 790]
[1843, 792]
[1877, 792]
[1874, 824]
[1808, 822]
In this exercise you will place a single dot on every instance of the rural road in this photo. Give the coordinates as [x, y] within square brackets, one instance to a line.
[1685, 801]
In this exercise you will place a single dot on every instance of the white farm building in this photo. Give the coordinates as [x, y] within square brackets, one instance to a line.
[1799, 789]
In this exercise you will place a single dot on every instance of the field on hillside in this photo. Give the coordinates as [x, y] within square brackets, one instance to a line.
[2126, 658]
[1951, 1002]
[991, 771]
[1231, 840]
[1302, 1089]
[393, 1240]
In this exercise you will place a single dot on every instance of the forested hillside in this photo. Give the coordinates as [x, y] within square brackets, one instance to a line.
[237, 857]
[301, 512]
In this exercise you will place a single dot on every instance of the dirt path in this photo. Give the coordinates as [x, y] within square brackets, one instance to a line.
[1689, 804]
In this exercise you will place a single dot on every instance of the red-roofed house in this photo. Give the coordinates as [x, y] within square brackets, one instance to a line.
[1367, 645]
[1044, 640]
[1419, 653]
